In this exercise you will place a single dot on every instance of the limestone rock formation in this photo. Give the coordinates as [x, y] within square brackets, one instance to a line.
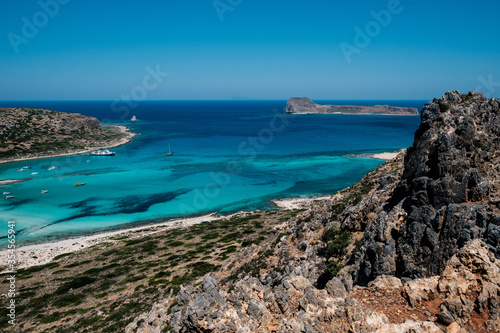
[446, 196]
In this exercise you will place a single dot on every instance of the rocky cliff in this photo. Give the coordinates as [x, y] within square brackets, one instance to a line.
[303, 105]
[413, 247]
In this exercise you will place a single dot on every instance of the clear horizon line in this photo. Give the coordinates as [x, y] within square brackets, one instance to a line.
[199, 100]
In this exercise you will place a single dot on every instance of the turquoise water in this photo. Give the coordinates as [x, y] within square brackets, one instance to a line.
[228, 156]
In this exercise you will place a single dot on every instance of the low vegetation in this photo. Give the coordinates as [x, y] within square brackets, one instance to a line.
[26, 132]
[103, 288]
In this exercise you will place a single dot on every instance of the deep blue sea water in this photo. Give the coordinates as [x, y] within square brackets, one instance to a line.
[228, 156]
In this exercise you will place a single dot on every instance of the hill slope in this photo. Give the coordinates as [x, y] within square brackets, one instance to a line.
[26, 132]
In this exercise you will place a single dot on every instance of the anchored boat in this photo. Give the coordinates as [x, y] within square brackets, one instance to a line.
[103, 152]
[169, 151]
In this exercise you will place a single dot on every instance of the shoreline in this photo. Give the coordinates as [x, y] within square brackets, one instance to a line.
[43, 253]
[122, 128]
[298, 203]
[379, 156]
[353, 114]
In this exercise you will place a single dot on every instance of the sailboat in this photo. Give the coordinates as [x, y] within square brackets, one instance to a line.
[169, 151]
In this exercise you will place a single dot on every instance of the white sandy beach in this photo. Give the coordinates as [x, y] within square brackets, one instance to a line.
[385, 156]
[297, 203]
[380, 156]
[40, 254]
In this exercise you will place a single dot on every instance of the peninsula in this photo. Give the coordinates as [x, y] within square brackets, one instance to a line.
[303, 105]
[27, 133]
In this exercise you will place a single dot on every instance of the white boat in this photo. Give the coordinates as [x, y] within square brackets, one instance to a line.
[26, 167]
[21, 169]
[88, 161]
[52, 167]
[34, 173]
[102, 152]
[9, 197]
[134, 118]
[169, 151]
[44, 191]
[5, 193]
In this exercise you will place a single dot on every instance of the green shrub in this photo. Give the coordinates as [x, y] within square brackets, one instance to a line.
[479, 144]
[62, 256]
[76, 283]
[337, 241]
[366, 187]
[333, 267]
[50, 318]
[443, 107]
[68, 300]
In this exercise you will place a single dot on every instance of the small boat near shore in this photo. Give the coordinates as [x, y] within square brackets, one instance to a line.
[52, 167]
[34, 173]
[102, 152]
[9, 197]
[22, 169]
[44, 191]
[79, 184]
[5, 193]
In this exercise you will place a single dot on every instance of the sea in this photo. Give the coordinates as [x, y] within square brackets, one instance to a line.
[228, 156]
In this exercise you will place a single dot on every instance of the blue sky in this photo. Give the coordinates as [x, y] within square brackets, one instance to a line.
[260, 50]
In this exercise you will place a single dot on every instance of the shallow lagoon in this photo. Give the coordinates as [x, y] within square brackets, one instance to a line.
[228, 156]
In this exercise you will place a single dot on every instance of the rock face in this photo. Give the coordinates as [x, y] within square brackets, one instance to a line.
[301, 105]
[446, 196]
[423, 253]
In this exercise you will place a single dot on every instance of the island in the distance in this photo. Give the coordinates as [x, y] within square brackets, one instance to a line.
[303, 105]
[27, 133]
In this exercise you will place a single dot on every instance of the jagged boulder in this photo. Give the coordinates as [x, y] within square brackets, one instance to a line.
[471, 282]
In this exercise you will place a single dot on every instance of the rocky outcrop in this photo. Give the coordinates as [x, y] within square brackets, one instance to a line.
[422, 255]
[302, 105]
[293, 306]
[446, 195]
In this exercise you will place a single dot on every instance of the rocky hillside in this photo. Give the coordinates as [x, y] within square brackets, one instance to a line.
[303, 105]
[446, 196]
[26, 132]
[413, 247]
